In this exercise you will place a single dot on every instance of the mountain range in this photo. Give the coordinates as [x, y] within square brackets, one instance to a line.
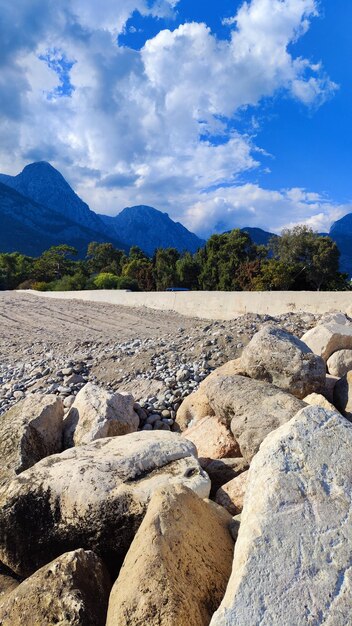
[39, 209]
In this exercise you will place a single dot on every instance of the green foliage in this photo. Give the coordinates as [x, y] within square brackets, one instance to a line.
[165, 273]
[106, 280]
[103, 257]
[299, 260]
[221, 259]
[54, 263]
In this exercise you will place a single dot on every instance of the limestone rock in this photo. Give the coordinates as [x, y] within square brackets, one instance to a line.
[72, 590]
[335, 318]
[325, 339]
[292, 561]
[253, 408]
[92, 496]
[29, 431]
[212, 438]
[98, 413]
[221, 471]
[196, 406]
[8, 581]
[231, 495]
[278, 357]
[178, 565]
[343, 395]
[340, 363]
[316, 399]
[330, 383]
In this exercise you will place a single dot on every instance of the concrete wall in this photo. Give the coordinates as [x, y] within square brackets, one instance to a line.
[220, 305]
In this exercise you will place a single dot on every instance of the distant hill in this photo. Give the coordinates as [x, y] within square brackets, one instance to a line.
[341, 233]
[258, 235]
[31, 228]
[149, 229]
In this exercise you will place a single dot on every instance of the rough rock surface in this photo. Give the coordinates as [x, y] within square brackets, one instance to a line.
[98, 413]
[8, 581]
[29, 431]
[253, 408]
[340, 363]
[330, 383]
[278, 357]
[213, 439]
[72, 590]
[343, 395]
[92, 496]
[316, 399]
[194, 408]
[325, 339]
[231, 495]
[292, 562]
[178, 565]
[221, 471]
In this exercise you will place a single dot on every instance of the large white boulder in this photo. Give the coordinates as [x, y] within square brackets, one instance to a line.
[29, 431]
[325, 339]
[278, 357]
[97, 413]
[93, 497]
[252, 408]
[292, 561]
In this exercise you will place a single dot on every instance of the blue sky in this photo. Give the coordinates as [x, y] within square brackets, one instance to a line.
[223, 114]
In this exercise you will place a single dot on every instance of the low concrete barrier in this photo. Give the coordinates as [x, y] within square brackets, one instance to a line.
[217, 305]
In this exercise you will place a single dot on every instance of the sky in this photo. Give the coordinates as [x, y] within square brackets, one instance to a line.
[224, 114]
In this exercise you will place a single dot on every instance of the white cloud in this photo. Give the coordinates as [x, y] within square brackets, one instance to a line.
[148, 118]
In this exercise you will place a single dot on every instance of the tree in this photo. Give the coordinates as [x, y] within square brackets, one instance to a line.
[141, 270]
[103, 257]
[313, 259]
[54, 263]
[15, 268]
[165, 273]
[221, 258]
[188, 270]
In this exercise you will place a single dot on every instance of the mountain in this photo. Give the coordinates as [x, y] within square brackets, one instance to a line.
[258, 236]
[341, 233]
[42, 183]
[149, 229]
[31, 228]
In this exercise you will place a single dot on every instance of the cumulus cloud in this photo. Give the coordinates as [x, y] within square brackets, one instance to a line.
[156, 124]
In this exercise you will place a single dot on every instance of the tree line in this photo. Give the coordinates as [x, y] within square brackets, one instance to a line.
[297, 260]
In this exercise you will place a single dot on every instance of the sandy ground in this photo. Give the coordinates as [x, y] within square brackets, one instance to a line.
[117, 345]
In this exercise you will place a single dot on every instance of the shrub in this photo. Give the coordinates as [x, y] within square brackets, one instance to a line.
[105, 280]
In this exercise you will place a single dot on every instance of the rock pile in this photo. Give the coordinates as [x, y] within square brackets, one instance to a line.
[104, 509]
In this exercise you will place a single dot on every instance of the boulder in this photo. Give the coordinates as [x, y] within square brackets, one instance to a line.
[340, 363]
[72, 590]
[8, 581]
[92, 496]
[316, 399]
[98, 413]
[29, 431]
[330, 383]
[178, 565]
[292, 561]
[335, 318]
[194, 408]
[221, 471]
[343, 395]
[325, 339]
[278, 357]
[231, 495]
[253, 409]
[212, 438]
